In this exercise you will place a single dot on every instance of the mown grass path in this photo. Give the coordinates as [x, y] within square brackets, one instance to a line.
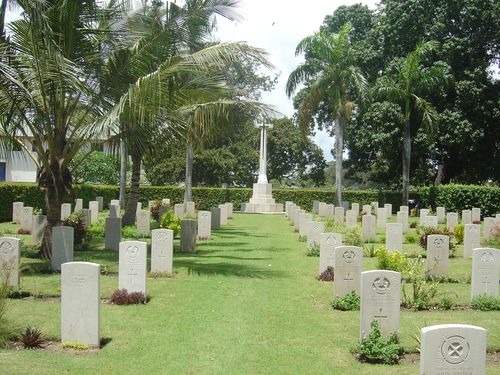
[246, 303]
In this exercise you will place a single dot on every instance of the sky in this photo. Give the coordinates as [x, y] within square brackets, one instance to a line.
[278, 26]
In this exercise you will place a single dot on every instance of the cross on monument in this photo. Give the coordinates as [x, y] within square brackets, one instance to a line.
[263, 152]
[486, 282]
[132, 274]
[379, 316]
[331, 259]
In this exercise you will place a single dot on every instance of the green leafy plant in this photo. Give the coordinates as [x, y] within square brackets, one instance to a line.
[313, 251]
[170, 222]
[370, 250]
[74, 345]
[352, 236]
[411, 238]
[394, 261]
[32, 338]
[130, 231]
[427, 231]
[418, 292]
[349, 302]
[96, 230]
[486, 303]
[458, 232]
[75, 220]
[302, 238]
[377, 349]
[446, 302]
[155, 209]
[4, 325]
[123, 297]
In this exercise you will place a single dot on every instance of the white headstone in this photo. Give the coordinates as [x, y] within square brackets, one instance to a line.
[438, 252]
[179, 210]
[85, 216]
[485, 270]
[339, 215]
[27, 219]
[215, 218]
[38, 228]
[472, 238]
[350, 218]
[94, 211]
[62, 246]
[368, 226]
[424, 212]
[451, 221]
[440, 213]
[381, 217]
[162, 249]
[100, 202]
[367, 209]
[113, 233]
[488, 228]
[448, 349]
[78, 204]
[322, 209]
[394, 237]
[10, 254]
[405, 209]
[466, 217]
[402, 218]
[138, 207]
[190, 209]
[115, 202]
[143, 222]
[114, 211]
[476, 214]
[374, 205]
[230, 209]
[80, 303]
[348, 267]
[17, 210]
[380, 301]
[223, 214]
[65, 211]
[133, 266]
[151, 204]
[164, 202]
[315, 228]
[204, 225]
[355, 208]
[304, 219]
[388, 209]
[429, 221]
[327, 244]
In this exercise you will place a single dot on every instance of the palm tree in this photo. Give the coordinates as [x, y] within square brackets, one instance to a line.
[330, 76]
[403, 87]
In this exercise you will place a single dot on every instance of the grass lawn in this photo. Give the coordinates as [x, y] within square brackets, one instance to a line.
[246, 303]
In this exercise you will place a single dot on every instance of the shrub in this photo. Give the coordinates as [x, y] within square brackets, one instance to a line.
[391, 261]
[129, 231]
[326, 275]
[422, 291]
[96, 230]
[427, 231]
[74, 345]
[349, 302]
[446, 302]
[370, 250]
[313, 251]
[352, 236]
[486, 303]
[411, 238]
[4, 326]
[123, 297]
[377, 349]
[458, 233]
[155, 209]
[75, 220]
[170, 222]
[302, 239]
[32, 338]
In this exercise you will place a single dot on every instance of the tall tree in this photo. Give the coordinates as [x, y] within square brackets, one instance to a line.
[330, 75]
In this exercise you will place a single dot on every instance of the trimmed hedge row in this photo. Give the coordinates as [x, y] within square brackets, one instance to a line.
[453, 197]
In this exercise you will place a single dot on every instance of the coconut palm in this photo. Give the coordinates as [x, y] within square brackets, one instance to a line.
[330, 76]
[404, 87]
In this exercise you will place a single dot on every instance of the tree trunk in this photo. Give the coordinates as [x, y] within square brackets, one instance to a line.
[3, 11]
[440, 174]
[339, 148]
[133, 194]
[123, 172]
[188, 193]
[406, 162]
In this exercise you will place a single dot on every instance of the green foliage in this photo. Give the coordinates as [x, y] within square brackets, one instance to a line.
[447, 302]
[458, 233]
[313, 251]
[130, 231]
[32, 338]
[411, 238]
[351, 301]
[302, 239]
[96, 230]
[352, 236]
[75, 220]
[376, 349]
[418, 292]
[394, 261]
[74, 345]
[170, 222]
[369, 250]
[4, 325]
[442, 230]
[486, 303]
[95, 168]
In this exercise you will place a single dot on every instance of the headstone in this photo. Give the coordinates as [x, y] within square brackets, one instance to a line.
[132, 267]
[204, 225]
[485, 270]
[288, 204]
[85, 215]
[327, 244]
[151, 204]
[322, 209]
[368, 226]
[165, 202]
[348, 267]
[65, 211]
[449, 349]
[497, 216]
[188, 235]
[162, 249]
[143, 222]
[429, 221]
[116, 202]
[215, 219]
[451, 221]
[230, 209]
[190, 209]
[315, 209]
[138, 207]
[223, 214]
[380, 301]
[78, 204]
[388, 209]
[440, 213]
[17, 211]
[466, 217]
[345, 205]
[304, 219]
[298, 216]
[114, 210]
[472, 238]
[424, 212]
[315, 228]
[339, 215]
[355, 208]
[438, 252]
[100, 203]
[330, 210]
[243, 207]
[62, 246]
[27, 219]
[113, 233]
[367, 209]
[94, 211]
[80, 303]
[179, 210]
[476, 214]
[381, 217]
[374, 205]
[402, 218]
[405, 209]
[37, 229]
[350, 218]
[394, 237]
[10, 255]
[488, 228]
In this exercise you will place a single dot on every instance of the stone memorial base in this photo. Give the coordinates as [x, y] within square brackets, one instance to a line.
[262, 200]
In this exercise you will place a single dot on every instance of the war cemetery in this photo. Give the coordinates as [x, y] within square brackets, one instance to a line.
[161, 212]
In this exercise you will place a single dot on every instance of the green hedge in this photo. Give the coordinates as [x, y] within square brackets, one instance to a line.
[453, 197]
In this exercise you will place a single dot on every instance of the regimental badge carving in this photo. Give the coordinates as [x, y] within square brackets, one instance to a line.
[331, 240]
[5, 247]
[438, 242]
[455, 349]
[162, 236]
[132, 252]
[487, 257]
[381, 285]
[474, 228]
[349, 256]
